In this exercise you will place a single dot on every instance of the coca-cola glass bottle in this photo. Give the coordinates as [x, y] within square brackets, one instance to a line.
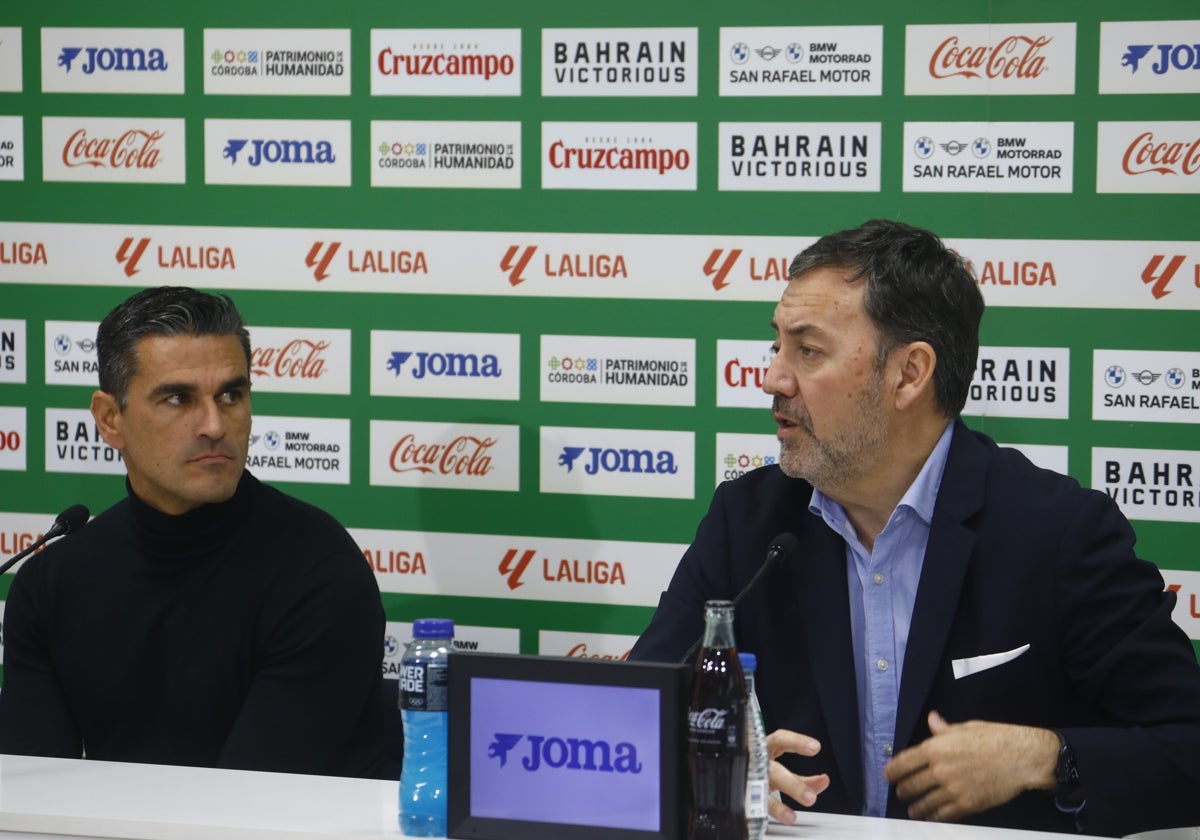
[717, 732]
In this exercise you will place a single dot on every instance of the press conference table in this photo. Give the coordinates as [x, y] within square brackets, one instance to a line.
[41, 797]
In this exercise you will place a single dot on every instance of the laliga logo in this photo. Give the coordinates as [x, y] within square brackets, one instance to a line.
[719, 273]
[319, 258]
[1017, 56]
[514, 265]
[1150, 274]
[568, 753]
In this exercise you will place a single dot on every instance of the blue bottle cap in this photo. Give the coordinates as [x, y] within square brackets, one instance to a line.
[749, 661]
[433, 628]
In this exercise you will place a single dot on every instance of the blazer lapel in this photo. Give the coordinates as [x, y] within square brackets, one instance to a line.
[951, 541]
[825, 613]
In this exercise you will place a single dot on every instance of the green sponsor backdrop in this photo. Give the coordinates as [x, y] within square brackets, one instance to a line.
[1083, 214]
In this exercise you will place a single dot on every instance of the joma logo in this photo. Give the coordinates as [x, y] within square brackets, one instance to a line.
[567, 753]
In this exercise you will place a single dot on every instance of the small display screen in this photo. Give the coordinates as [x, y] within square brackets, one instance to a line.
[566, 753]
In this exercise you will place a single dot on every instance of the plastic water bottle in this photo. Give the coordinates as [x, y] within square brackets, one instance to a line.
[424, 711]
[758, 769]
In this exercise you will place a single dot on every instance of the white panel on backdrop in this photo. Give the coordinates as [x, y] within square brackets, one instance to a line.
[70, 350]
[10, 59]
[142, 150]
[307, 153]
[1021, 382]
[74, 445]
[581, 645]
[738, 453]
[300, 360]
[617, 462]
[112, 60]
[1150, 56]
[466, 456]
[618, 370]
[619, 156]
[14, 440]
[282, 62]
[1148, 386]
[619, 62]
[989, 157]
[1162, 485]
[989, 59]
[315, 450]
[14, 357]
[519, 568]
[799, 157]
[446, 154]
[445, 62]
[742, 372]
[470, 366]
[801, 60]
[12, 146]
[1148, 156]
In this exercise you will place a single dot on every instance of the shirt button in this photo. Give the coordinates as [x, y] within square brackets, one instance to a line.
[878, 578]
[881, 664]
[887, 749]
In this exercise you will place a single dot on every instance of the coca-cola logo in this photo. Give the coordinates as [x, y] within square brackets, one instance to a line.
[708, 719]
[1146, 154]
[464, 455]
[134, 149]
[1014, 57]
[580, 651]
[300, 358]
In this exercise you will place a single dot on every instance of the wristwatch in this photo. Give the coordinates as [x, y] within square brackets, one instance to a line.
[1067, 788]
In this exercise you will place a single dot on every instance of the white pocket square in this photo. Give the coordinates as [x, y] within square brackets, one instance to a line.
[975, 664]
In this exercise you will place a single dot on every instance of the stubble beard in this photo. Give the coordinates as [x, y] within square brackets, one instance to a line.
[845, 456]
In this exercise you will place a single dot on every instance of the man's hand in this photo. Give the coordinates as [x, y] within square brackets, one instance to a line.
[803, 789]
[965, 768]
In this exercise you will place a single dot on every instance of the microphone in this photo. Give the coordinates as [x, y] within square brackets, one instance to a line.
[68, 522]
[782, 546]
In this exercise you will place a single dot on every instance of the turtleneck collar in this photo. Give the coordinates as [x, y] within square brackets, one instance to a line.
[192, 534]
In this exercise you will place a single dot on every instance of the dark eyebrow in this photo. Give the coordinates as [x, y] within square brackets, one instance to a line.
[166, 388]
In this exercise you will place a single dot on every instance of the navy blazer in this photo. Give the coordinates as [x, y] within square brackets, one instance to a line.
[1017, 556]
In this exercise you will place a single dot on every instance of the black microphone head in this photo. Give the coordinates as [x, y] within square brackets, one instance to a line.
[72, 519]
[783, 545]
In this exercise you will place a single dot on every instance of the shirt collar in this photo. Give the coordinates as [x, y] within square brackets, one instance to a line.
[920, 497]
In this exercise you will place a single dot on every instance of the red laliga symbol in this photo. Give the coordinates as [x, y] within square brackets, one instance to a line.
[514, 568]
[514, 265]
[130, 254]
[719, 274]
[1160, 281]
[318, 261]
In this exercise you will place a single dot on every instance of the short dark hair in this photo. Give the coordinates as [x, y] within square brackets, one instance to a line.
[917, 289]
[162, 310]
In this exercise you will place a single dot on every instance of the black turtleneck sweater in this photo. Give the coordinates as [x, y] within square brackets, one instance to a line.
[245, 634]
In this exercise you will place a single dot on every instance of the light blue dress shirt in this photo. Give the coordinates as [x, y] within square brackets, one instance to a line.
[883, 587]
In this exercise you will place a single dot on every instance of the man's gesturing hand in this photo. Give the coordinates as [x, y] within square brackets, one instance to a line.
[803, 789]
[965, 768]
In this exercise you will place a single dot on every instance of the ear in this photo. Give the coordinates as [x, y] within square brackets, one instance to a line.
[917, 364]
[107, 414]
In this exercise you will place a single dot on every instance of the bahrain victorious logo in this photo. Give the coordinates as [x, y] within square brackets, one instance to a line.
[513, 567]
[319, 258]
[131, 254]
[718, 273]
[514, 264]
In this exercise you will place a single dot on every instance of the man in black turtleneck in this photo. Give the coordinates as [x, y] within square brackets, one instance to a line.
[206, 619]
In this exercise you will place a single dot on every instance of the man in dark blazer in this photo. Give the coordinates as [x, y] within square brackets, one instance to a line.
[959, 635]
